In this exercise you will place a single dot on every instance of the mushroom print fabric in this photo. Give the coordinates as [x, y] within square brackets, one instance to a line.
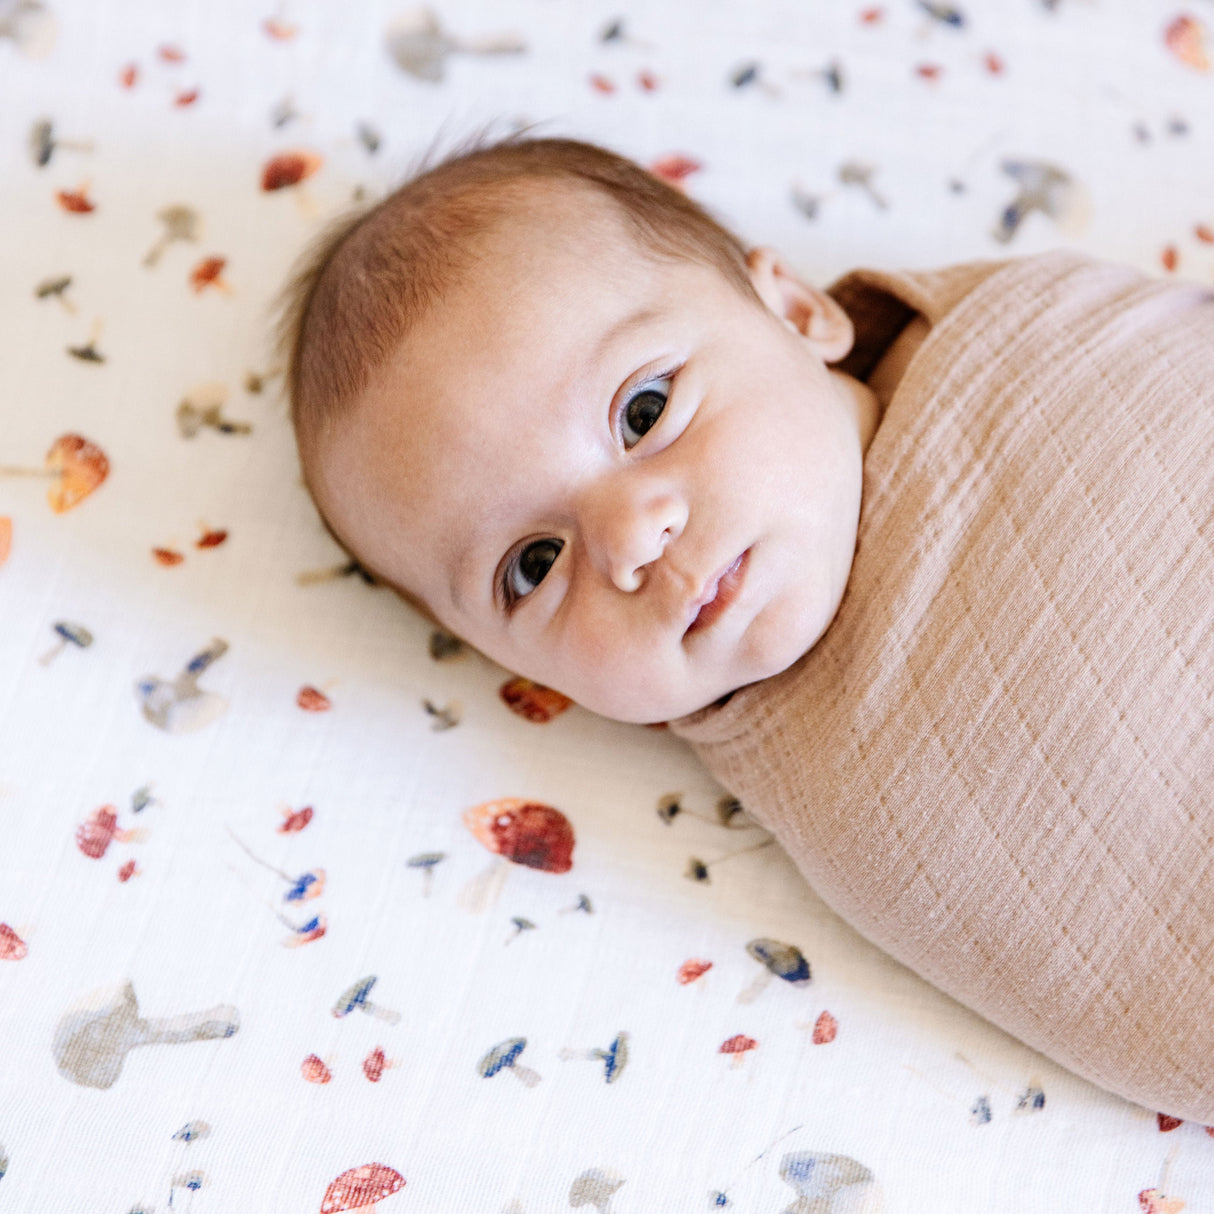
[304, 905]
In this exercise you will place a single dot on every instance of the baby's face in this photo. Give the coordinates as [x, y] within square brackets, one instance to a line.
[612, 474]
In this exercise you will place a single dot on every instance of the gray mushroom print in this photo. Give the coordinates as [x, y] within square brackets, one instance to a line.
[595, 1187]
[180, 705]
[94, 1035]
[420, 46]
[829, 1184]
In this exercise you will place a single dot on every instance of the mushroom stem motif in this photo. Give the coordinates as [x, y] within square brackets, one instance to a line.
[1043, 187]
[181, 706]
[204, 407]
[522, 832]
[779, 960]
[92, 1038]
[180, 223]
[419, 45]
[69, 634]
[504, 1057]
[614, 1057]
[303, 888]
[426, 861]
[77, 466]
[355, 997]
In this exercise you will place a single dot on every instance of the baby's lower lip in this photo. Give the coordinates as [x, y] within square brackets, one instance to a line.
[728, 587]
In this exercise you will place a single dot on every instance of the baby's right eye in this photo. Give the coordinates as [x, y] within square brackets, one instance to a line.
[525, 573]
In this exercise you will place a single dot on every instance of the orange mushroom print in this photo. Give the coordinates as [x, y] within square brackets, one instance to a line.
[1185, 37]
[77, 465]
[517, 831]
[361, 1188]
[6, 537]
[533, 701]
[209, 273]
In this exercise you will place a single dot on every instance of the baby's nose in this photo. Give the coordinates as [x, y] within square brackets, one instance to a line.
[630, 526]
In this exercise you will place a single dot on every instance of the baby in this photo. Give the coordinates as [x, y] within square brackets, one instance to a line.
[921, 565]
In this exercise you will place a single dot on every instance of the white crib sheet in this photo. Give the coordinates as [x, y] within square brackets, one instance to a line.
[234, 815]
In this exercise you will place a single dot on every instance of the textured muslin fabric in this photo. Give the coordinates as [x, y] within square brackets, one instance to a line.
[998, 763]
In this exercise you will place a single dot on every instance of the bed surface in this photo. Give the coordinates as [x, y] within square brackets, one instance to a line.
[259, 947]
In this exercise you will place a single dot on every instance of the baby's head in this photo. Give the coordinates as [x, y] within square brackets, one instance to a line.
[560, 409]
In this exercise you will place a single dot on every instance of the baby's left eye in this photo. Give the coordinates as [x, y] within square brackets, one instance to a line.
[642, 410]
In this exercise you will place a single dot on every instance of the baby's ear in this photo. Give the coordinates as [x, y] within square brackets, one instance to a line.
[812, 313]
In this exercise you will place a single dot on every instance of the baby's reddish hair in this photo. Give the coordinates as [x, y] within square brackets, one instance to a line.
[369, 277]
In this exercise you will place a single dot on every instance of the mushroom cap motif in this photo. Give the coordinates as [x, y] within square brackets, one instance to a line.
[81, 465]
[784, 960]
[504, 1054]
[738, 1044]
[360, 1188]
[524, 832]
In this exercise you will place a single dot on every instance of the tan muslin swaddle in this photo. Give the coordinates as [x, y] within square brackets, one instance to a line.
[998, 763]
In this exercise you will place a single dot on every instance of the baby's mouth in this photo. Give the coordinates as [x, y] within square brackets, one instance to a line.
[719, 592]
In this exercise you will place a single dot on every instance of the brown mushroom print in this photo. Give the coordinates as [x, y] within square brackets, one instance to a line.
[93, 1036]
[361, 1188]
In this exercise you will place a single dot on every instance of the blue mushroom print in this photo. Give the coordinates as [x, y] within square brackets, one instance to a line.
[504, 1057]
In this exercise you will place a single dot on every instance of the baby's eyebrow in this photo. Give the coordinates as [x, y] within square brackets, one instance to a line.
[621, 329]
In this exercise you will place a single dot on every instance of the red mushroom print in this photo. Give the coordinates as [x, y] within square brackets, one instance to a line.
[100, 829]
[533, 701]
[689, 971]
[314, 1070]
[294, 820]
[675, 168]
[76, 202]
[520, 832]
[211, 538]
[826, 1028]
[12, 947]
[739, 1047]
[361, 1188]
[375, 1064]
[209, 272]
[312, 699]
[289, 169]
